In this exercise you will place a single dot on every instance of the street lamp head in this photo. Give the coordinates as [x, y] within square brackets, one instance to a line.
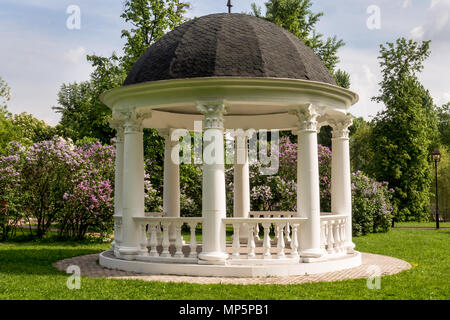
[436, 155]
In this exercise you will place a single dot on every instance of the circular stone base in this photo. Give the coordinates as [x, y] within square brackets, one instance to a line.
[387, 266]
[108, 260]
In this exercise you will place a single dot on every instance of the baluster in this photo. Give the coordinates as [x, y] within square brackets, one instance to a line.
[266, 243]
[143, 245]
[179, 240]
[276, 230]
[165, 242]
[251, 240]
[323, 239]
[236, 241]
[342, 234]
[257, 232]
[280, 242]
[330, 239]
[153, 239]
[193, 244]
[288, 232]
[158, 234]
[294, 241]
[337, 240]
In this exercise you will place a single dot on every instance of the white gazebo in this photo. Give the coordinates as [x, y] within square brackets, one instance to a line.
[230, 71]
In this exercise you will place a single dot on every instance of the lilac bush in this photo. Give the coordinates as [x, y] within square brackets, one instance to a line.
[57, 183]
[371, 205]
[372, 210]
[279, 192]
[88, 203]
[9, 181]
[46, 173]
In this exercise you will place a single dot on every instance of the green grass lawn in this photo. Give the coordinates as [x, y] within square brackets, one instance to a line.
[26, 273]
[422, 224]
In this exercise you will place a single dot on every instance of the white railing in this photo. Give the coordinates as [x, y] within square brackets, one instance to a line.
[154, 234]
[332, 233]
[249, 245]
[155, 214]
[273, 214]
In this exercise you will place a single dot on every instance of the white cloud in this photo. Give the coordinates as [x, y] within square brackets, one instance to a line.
[446, 97]
[406, 4]
[436, 25]
[75, 55]
[417, 33]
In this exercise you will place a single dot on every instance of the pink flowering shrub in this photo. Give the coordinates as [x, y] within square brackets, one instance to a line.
[9, 180]
[372, 210]
[56, 183]
[371, 205]
[88, 202]
[279, 192]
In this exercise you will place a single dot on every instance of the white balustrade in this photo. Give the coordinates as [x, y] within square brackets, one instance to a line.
[279, 224]
[155, 244]
[273, 214]
[333, 233]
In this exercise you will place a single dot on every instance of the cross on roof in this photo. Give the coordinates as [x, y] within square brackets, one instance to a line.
[229, 5]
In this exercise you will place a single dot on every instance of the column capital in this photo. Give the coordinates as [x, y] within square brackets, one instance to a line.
[166, 133]
[213, 112]
[341, 126]
[117, 125]
[132, 119]
[307, 117]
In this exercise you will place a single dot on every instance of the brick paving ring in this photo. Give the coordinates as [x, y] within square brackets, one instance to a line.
[384, 265]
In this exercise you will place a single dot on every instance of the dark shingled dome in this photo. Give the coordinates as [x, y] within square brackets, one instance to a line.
[228, 45]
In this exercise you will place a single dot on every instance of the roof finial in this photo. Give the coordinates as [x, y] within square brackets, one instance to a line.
[229, 5]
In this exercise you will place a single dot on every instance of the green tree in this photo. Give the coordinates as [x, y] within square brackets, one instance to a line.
[5, 93]
[82, 113]
[360, 142]
[402, 134]
[443, 182]
[9, 130]
[31, 128]
[443, 114]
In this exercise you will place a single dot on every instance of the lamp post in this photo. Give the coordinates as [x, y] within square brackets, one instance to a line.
[436, 157]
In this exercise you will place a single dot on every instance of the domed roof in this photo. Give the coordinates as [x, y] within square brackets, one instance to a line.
[228, 45]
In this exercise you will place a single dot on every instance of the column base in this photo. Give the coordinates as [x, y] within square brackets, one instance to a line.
[212, 258]
[311, 255]
[128, 253]
[350, 246]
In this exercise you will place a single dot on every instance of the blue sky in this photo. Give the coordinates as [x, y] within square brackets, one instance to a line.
[38, 52]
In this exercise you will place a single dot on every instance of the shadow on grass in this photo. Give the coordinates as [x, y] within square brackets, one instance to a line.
[37, 258]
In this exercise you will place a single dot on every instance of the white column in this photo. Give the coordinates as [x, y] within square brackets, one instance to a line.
[213, 198]
[341, 191]
[308, 193]
[118, 204]
[241, 203]
[171, 192]
[133, 184]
